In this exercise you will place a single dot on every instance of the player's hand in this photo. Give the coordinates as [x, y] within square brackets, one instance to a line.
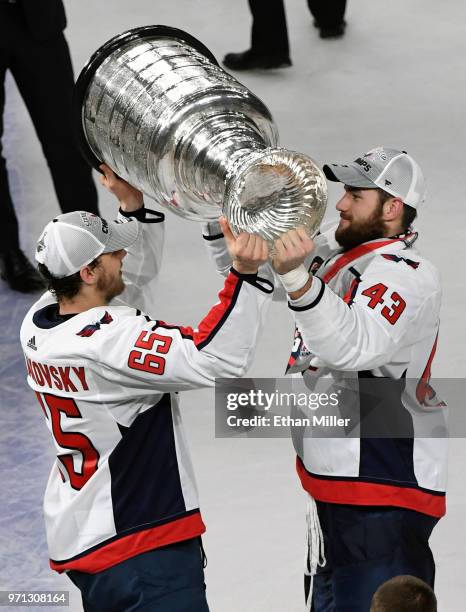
[291, 249]
[130, 198]
[247, 251]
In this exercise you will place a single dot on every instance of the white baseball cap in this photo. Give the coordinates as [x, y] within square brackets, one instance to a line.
[394, 171]
[72, 240]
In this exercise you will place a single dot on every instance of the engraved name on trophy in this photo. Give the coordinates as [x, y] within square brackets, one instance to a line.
[154, 105]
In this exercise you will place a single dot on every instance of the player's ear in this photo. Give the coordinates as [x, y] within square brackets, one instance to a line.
[393, 209]
[88, 275]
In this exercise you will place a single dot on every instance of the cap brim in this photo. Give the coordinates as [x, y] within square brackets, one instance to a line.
[349, 174]
[122, 235]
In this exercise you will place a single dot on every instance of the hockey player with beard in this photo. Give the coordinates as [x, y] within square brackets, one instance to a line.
[366, 306]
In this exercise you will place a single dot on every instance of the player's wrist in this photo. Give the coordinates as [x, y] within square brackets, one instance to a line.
[131, 204]
[295, 279]
[244, 268]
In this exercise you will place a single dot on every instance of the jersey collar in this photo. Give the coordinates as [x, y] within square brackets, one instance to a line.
[365, 248]
[49, 317]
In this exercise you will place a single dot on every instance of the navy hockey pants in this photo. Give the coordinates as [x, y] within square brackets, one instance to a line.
[364, 547]
[167, 579]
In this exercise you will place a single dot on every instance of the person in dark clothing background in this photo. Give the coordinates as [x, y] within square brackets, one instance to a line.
[269, 35]
[34, 49]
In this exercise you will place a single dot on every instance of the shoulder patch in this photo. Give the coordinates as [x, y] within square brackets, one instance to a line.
[90, 329]
[397, 259]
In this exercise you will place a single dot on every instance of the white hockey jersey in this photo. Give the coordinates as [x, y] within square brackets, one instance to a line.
[371, 313]
[107, 382]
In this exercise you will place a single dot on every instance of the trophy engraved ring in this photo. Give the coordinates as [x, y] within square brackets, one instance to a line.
[154, 105]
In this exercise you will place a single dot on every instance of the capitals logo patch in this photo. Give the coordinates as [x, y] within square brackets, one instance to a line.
[89, 330]
[397, 259]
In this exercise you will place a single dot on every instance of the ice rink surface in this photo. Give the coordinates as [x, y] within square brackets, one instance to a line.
[396, 78]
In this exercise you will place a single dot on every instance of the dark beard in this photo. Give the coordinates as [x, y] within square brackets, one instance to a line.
[112, 289]
[357, 233]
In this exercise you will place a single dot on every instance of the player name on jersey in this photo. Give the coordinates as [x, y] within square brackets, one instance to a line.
[62, 378]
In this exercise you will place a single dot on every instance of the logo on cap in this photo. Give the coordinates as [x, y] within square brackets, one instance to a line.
[377, 153]
[85, 219]
[41, 244]
[366, 165]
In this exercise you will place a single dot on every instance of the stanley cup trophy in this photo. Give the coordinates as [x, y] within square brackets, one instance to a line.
[154, 105]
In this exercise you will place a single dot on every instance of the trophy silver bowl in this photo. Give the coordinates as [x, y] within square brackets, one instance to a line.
[154, 105]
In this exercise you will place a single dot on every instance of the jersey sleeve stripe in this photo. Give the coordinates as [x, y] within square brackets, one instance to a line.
[214, 237]
[186, 332]
[216, 317]
[351, 293]
[312, 304]
[212, 323]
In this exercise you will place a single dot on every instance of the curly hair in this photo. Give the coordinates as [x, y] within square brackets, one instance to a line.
[64, 288]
